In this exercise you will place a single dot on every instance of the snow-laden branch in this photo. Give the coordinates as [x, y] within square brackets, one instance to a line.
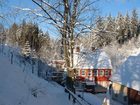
[41, 6]
[49, 5]
[34, 11]
[103, 31]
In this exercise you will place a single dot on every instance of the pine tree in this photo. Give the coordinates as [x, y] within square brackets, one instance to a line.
[12, 34]
[22, 38]
[100, 27]
[109, 28]
[139, 28]
[127, 24]
[100, 23]
[30, 32]
[134, 23]
[26, 51]
[44, 45]
[110, 24]
[120, 27]
[1, 33]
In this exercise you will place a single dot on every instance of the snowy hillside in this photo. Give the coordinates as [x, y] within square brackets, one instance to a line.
[19, 88]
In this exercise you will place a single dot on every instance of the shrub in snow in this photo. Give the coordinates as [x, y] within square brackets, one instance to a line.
[34, 92]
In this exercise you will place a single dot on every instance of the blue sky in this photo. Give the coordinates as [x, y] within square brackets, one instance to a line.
[105, 7]
[115, 6]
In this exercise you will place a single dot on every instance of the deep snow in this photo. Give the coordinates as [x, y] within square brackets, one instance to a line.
[18, 88]
[128, 73]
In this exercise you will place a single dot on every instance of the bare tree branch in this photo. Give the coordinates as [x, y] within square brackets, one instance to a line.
[40, 5]
[69, 17]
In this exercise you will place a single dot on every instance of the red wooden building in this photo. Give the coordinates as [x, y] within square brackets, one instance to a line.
[93, 65]
[99, 76]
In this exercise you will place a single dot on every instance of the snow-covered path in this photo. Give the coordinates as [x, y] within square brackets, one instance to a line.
[18, 88]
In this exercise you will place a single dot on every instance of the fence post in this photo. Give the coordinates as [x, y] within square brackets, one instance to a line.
[74, 100]
[69, 96]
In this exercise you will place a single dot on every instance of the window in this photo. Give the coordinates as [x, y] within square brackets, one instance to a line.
[101, 73]
[83, 72]
[95, 73]
[89, 72]
[106, 73]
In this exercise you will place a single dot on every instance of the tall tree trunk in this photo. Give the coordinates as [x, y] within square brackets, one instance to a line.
[72, 26]
[65, 33]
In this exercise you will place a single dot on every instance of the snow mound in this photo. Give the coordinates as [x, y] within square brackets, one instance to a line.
[129, 72]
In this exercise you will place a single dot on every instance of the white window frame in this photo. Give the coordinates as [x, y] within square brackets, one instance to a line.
[102, 73]
[83, 72]
[106, 71]
[90, 72]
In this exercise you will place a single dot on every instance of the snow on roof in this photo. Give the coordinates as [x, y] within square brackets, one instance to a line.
[128, 73]
[97, 59]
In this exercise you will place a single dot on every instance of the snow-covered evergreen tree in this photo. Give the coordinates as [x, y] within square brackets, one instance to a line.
[110, 24]
[109, 29]
[2, 34]
[99, 31]
[134, 23]
[26, 51]
[119, 22]
[127, 31]
[120, 27]
[100, 23]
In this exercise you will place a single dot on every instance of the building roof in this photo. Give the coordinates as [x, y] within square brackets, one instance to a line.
[97, 59]
[128, 74]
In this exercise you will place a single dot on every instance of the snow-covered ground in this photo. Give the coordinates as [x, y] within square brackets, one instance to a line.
[20, 87]
[23, 88]
[97, 99]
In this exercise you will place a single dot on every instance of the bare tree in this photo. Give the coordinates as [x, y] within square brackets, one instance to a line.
[70, 18]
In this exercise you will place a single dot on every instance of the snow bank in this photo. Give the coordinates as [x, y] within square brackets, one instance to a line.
[20, 88]
[128, 73]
